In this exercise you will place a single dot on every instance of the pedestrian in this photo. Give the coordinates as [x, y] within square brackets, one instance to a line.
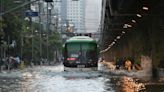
[18, 61]
[128, 65]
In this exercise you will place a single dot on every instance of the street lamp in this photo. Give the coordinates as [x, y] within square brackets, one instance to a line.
[133, 21]
[118, 37]
[145, 8]
[139, 15]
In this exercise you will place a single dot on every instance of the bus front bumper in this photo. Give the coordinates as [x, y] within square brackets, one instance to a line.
[81, 65]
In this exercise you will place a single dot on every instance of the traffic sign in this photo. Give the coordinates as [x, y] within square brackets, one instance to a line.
[48, 0]
[31, 14]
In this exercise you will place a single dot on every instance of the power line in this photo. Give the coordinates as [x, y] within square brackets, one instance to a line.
[20, 6]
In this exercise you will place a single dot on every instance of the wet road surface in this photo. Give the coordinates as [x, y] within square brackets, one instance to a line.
[54, 79]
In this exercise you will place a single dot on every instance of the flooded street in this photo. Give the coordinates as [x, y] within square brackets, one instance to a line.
[124, 38]
[51, 79]
[55, 79]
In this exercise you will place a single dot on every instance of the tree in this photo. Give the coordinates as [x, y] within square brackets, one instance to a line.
[55, 44]
[1, 30]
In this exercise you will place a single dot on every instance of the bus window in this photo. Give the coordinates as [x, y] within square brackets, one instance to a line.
[82, 51]
[73, 50]
[89, 51]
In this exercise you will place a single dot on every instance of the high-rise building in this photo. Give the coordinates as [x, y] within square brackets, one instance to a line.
[73, 12]
[63, 13]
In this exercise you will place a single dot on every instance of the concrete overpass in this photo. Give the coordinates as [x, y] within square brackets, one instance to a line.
[132, 28]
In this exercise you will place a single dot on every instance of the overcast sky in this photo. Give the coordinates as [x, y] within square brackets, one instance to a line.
[93, 14]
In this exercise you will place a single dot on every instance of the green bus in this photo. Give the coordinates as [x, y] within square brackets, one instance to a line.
[80, 52]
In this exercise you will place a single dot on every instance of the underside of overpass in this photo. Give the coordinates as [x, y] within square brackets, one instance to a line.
[132, 28]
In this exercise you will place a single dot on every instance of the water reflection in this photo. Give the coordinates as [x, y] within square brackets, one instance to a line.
[10, 85]
[49, 79]
[66, 82]
[110, 83]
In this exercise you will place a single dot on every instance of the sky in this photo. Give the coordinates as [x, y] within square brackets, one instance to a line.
[93, 14]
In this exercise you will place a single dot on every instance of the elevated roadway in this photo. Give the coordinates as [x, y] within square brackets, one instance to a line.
[133, 28]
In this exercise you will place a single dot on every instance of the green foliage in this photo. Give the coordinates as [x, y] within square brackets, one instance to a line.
[16, 28]
[54, 40]
[2, 24]
[54, 44]
[25, 28]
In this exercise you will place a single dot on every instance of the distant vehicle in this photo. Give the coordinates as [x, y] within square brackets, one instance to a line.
[80, 52]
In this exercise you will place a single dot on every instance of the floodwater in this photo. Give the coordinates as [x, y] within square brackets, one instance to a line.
[54, 79]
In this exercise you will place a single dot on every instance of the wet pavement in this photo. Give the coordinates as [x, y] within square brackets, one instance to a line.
[55, 79]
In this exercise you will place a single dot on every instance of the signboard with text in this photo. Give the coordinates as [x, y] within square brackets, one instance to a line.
[31, 14]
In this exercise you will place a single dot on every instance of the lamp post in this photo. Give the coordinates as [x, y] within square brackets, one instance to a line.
[40, 29]
[32, 39]
[48, 28]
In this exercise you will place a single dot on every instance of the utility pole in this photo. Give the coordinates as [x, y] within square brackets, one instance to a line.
[32, 40]
[48, 28]
[21, 53]
[47, 33]
[20, 6]
[40, 29]
[30, 26]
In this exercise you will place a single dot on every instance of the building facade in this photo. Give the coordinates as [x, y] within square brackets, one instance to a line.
[63, 13]
[73, 13]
